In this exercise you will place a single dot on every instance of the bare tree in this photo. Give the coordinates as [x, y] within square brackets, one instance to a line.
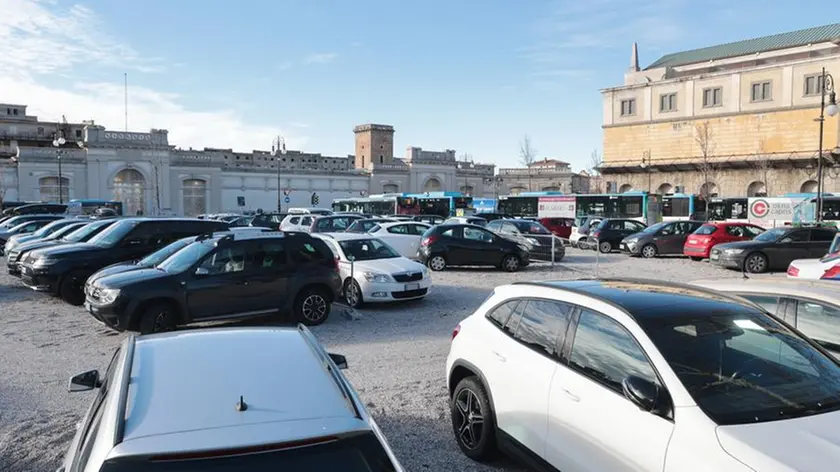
[762, 166]
[4, 185]
[595, 162]
[527, 155]
[704, 137]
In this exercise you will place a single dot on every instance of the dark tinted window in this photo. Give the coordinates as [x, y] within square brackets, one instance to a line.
[306, 252]
[225, 260]
[604, 351]
[753, 231]
[543, 324]
[398, 229]
[267, 254]
[736, 231]
[502, 313]
[706, 230]
[796, 236]
[822, 235]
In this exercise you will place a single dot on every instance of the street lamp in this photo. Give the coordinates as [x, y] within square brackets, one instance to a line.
[646, 165]
[279, 146]
[58, 142]
[463, 166]
[496, 181]
[826, 82]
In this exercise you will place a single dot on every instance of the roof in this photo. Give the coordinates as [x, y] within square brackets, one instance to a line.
[642, 298]
[819, 34]
[188, 381]
[779, 286]
[345, 236]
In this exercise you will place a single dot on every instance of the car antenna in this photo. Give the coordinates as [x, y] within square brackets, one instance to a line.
[241, 405]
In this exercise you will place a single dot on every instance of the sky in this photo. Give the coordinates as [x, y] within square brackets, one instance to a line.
[476, 76]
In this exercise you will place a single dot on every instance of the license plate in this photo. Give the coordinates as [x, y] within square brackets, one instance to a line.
[412, 287]
[714, 257]
[692, 241]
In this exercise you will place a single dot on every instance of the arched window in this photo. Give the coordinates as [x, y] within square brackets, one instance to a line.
[809, 186]
[517, 190]
[390, 188]
[625, 188]
[130, 189]
[195, 197]
[665, 189]
[709, 189]
[552, 188]
[432, 185]
[48, 188]
[757, 189]
[467, 189]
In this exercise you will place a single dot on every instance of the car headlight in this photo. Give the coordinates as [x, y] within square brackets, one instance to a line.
[376, 277]
[732, 252]
[108, 295]
[426, 272]
[533, 241]
[43, 262]
[12, 256]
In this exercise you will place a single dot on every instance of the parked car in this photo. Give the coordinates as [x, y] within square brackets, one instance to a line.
[22, 229]
[490, 216]
[824, 268]
[466, 220]
[429, 219]
[665, 238]
[539, 240]
[580, 231]
[36, 208]
[41, 233]
[232, 399]
[773, 249]
[7, 226]
[373, 271]
[398, 217]
[404, 236]
[62, 270]
[268, 220]
[79, 235]
[811, 306]
[448, 245]
[334, 223]
[569, 375]
[242, 221]
[366, 224]
[699, 244]
[229, 276]
[561, 227]
[611, 231]
[297, 222]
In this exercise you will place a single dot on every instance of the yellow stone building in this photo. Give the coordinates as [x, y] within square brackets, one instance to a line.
[738, 119]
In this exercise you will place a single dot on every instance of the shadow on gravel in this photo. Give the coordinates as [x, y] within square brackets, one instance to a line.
[37, 443]
[19, 293]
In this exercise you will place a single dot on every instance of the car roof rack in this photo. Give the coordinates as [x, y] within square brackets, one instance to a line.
[122, 393]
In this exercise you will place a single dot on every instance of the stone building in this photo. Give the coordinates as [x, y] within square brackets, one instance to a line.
[152, 176]
[546, 175]
[738, 119]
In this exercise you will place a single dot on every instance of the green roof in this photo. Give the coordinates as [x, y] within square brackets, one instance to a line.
[819, 34]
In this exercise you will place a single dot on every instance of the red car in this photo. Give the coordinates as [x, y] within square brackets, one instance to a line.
[561, 227]
[700, 243]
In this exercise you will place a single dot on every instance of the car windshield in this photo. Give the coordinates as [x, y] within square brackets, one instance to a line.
[530, 227]
[48, 229]
[114, 234]
[706, 230]
[186, 257]
[770, 235]
[367, 249]
[745, 367]
[64, 231]
[163, 253]
[85, 232]
[11, 222]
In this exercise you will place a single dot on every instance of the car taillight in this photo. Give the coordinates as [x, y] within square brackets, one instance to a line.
[596, 234]
[428, 241]
[793, 271]
[335, 260]
[832, 273]
[456, 331]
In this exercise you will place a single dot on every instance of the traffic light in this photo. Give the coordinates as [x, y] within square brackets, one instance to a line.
[315, 199]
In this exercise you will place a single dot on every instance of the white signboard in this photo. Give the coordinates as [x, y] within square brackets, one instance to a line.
[557, 207]
[778, 211]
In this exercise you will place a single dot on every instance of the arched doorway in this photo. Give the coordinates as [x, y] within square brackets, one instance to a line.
[625, 188]
[517, 190]
[130, 189]
[665, 189]
[709, 189]
[390, 188]
[432, 185]
[552, 188]
[809, 186]
[195, 197]
[467, 189]
[48, 188]
[757, 189]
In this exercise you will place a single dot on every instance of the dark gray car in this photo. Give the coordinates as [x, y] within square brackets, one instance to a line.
[667, 237]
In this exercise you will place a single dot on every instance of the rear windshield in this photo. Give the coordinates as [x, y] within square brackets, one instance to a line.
[362, 453]
[706, 229]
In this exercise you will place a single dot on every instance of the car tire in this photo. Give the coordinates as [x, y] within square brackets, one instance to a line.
[470, 403]
[312, 307]
[648, 251]
[755, 263]
[158, 318]
[437, 263]
[353, 294]
[605, 247]
[695, 258]
[71, 288]
[511, 263]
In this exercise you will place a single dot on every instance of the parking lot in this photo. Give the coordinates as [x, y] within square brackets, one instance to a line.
[396, 356]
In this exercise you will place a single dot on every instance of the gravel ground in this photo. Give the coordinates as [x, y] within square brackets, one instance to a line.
[396, 355]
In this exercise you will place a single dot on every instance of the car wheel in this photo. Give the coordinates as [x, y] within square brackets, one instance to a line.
[312, 307]
[353, 294]
[71, 289]
[649, 251]
[158, 318]
[695, 258]
[511, 263]
[605, 247]
[472, 420]
[755, 263]
[437, 263]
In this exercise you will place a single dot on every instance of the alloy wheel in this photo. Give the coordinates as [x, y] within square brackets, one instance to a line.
[756, 263]
[437, 263]
[511, 263]
[648, 251]
[351, 294]
[470, 418]
[314, 307]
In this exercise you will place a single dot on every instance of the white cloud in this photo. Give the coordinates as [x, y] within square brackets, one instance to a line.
[41, 44]
[321, 58]
[284, 66]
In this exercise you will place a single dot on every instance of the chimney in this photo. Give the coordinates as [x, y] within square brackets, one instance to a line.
[634, 58]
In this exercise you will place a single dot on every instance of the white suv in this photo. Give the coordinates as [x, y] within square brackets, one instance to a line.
[642, 376]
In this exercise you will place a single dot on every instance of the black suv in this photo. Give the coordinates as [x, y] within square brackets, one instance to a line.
[80, 235]
[62, 270]
[232, 276]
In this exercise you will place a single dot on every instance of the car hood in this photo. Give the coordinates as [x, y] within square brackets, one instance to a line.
[38, 244]
[70, 249]
[114, 269]
[23, 238]
[394, 265]
[743, 244]
[779, 445]
[638, 236]
[121, 279]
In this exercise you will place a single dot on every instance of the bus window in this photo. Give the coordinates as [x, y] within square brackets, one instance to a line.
[630, 207]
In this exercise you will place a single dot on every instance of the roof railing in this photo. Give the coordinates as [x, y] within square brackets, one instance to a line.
[122, 393]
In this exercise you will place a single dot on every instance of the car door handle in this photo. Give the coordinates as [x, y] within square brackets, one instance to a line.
[244, 282]
[500, 357]
[571, 395]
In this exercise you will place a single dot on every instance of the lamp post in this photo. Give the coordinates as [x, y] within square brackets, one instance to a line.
[496, 181]
[463, 166]
[826, 84]
[646, 165]
[58, 142]
[279, 146]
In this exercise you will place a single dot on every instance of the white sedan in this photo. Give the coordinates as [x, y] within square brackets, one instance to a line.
[827, 268]
[372, 271]
[404, 236]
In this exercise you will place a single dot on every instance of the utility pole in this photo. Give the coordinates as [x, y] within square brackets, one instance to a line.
[156, 164]
[278, 149]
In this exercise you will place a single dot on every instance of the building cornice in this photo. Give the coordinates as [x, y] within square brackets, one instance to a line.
[713, 116]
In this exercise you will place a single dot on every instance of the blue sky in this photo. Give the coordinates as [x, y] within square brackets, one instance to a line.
[470, 75]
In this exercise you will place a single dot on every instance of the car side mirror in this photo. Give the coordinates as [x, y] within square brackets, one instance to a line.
[84, 381]
[786, 240]
[644, 393]
[201, 271]
[339, 360]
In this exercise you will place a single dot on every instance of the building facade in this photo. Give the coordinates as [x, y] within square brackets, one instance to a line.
[546, 175]
[151, 176]
[737, 119]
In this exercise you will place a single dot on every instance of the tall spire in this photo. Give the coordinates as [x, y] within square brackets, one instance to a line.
[634, 58]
